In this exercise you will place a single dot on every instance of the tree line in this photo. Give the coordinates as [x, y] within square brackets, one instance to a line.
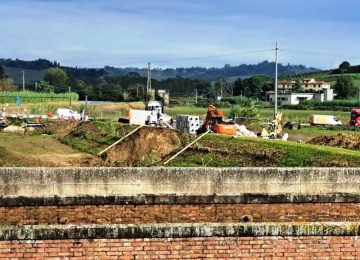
[98, 86]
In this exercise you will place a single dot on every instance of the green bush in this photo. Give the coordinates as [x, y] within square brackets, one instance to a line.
[228, 102]
[241, 101]
[249, 113]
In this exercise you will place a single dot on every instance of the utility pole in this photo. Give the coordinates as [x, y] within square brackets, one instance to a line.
[276, 79]
[23, 80]
[148, 85]
[196, 96]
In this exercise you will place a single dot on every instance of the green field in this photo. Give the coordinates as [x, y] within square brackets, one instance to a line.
[223, 151]
[331, 78]
[36, 97]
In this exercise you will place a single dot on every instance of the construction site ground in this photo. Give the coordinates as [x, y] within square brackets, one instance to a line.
[62, 144]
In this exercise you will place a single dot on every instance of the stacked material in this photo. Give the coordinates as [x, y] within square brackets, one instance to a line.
[187, 124]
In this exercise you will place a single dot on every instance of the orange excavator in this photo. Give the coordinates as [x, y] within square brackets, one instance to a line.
[215, 122]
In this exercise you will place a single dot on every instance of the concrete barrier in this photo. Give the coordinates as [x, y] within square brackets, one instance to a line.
[31, 182]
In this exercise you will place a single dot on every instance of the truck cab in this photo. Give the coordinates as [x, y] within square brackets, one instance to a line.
[155, 107]
[355, 117]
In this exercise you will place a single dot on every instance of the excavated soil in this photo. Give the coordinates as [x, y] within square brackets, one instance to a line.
[59, 127]
[87, 127]
[339, 140]
[148, 143]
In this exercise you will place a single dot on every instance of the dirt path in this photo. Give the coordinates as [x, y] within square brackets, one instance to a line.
[38, 150]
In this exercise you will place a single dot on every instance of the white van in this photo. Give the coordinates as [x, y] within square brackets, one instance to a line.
[324, 120]
[67, 113]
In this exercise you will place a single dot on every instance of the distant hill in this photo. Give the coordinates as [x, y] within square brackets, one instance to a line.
[30, 75]
[35, 71]
[211, 74]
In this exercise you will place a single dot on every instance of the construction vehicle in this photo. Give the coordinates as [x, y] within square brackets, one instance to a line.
[275, 128]
[214, 121]
[355, 117]
[324, 120]
[152, 115]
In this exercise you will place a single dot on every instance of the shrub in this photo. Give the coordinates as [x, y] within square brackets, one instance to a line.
[249, 113]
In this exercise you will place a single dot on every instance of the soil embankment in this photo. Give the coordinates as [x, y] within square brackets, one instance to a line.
[339, 140]
[147, 144]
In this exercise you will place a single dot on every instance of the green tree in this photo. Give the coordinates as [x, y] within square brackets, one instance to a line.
[238, 87]
[255, 85]
[297, 86]
[344, 66]
[2, 72]
[45, 87]
[56, 77]
[223, 87]
[345, 87]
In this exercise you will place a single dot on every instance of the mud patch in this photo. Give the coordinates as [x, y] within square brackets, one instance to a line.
[149, 143]
[339, 140]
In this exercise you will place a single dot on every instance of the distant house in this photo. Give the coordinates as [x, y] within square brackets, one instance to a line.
[295, 98]
[306, 85]
[314, 85]
[286, 85]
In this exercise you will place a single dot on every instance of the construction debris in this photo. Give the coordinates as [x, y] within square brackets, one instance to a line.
[14, 129]
[241, 130]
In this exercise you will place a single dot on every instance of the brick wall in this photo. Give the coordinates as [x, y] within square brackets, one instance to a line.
[307, 247]
[137, 214]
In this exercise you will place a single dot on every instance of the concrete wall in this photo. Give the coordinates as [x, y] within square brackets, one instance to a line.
[205, 181]
[142, 213]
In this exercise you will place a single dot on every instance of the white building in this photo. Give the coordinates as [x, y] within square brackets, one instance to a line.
[292, 98]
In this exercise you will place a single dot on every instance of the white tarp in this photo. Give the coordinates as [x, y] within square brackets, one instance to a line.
[139, 117]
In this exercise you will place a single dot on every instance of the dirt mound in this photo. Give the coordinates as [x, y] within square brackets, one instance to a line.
[146, 146]
[60, 127]
[92, 130]
[339, 140]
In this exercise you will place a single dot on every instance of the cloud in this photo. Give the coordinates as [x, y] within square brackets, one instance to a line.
[89, 33]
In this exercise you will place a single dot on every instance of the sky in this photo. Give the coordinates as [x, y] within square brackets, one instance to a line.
[181, 33]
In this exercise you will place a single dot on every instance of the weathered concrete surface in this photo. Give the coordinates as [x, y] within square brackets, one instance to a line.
[177, 230]
[173, 199]
[196, 181]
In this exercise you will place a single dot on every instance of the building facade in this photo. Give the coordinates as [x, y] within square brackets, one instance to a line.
[305, 85]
